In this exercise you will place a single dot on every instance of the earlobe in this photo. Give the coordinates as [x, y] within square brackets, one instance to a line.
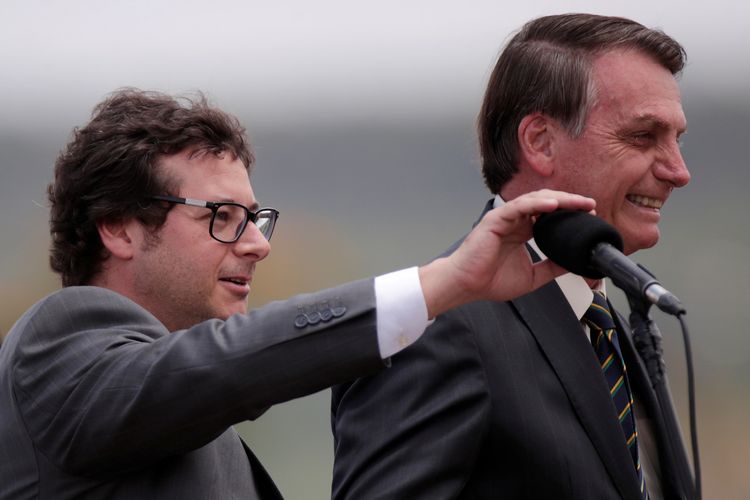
[118, 238]
[536, 143]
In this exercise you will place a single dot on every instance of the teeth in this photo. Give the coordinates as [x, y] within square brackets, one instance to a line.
[645, 201]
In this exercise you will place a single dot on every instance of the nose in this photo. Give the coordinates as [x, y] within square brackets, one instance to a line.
[252, 244]
[671, 167]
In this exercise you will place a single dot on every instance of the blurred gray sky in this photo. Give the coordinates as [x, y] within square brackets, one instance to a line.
[362, 116]
[310, 62]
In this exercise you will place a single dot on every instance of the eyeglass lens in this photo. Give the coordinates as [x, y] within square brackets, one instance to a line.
[228, 223]
[230, 220]
[264, 222]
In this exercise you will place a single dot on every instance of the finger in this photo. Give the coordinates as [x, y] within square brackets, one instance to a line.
[547, 200]
[528, 206]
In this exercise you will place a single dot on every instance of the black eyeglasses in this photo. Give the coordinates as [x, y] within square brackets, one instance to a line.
[229, 219]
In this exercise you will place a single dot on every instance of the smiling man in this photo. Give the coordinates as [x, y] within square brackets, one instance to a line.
[126, 383]
[627, 156]
[534, 398]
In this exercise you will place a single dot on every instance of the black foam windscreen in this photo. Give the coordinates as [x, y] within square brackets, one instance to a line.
[568, 238]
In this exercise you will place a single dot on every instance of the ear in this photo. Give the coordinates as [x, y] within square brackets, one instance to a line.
[536, 137]
[119, 238]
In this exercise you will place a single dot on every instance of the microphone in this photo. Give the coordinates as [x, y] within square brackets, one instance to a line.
[590, 247]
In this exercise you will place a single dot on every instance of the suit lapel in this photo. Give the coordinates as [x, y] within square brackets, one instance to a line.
[558, 332]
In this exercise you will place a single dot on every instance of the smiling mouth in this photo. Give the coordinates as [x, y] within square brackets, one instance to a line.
[644, 201]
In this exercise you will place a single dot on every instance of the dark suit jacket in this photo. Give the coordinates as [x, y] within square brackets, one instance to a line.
[99, 400]
[496, 400]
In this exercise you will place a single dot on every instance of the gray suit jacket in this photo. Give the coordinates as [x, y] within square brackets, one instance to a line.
[99, 400]
[496, 400]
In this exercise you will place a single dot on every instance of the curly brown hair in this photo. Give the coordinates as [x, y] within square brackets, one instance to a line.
[110, 166]
[546, 67]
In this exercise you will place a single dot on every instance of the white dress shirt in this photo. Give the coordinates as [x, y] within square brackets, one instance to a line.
[401, 310]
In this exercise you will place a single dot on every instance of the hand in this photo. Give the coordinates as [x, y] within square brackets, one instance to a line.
[492, 263]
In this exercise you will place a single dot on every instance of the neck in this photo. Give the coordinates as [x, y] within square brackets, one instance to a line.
[593, 284]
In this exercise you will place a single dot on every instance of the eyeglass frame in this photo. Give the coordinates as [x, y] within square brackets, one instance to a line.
[214, 206]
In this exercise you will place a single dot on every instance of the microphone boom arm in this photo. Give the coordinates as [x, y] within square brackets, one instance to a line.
[634, 279]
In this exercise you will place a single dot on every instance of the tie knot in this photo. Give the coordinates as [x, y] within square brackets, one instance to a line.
[598, 316]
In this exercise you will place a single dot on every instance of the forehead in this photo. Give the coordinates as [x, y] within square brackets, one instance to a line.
[632, 87]
[208, 176]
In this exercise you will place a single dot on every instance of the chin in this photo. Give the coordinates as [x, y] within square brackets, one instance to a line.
[640, 242]
[231, 311]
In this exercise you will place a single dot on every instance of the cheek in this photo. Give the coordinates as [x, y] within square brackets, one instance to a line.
[580, 171]
[193, 264]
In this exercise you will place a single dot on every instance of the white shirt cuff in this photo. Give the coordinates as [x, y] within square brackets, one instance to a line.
[401, 310]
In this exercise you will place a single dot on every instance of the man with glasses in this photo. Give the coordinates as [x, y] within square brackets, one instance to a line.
[126, 383]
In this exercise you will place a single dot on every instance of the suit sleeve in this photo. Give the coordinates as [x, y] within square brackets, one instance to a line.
[103, 387]
[394, 439]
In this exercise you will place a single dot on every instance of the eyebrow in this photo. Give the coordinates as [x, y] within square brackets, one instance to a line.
[655, 121]
[254, 207]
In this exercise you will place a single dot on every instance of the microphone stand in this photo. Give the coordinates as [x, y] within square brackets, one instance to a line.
[648, 342]
[647, 339]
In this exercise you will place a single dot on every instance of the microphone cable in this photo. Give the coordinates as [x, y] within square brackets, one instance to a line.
[691, 404]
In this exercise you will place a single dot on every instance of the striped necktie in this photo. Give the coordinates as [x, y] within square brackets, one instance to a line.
[605, 343]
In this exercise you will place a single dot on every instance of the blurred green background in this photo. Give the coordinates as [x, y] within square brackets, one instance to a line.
[362, 118]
